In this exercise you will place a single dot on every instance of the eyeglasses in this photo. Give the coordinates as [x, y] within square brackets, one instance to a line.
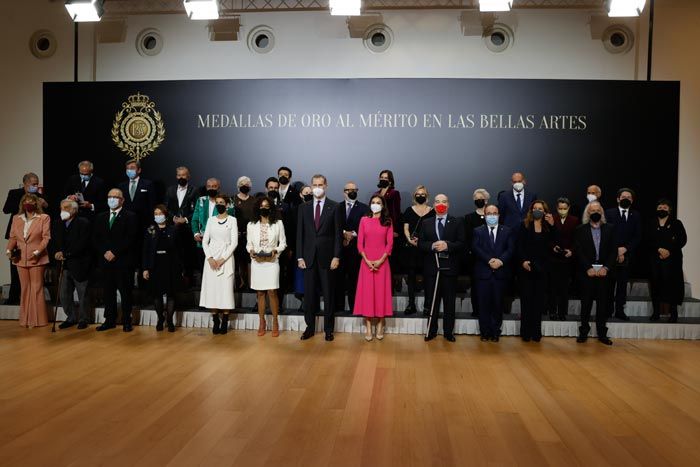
[348, 190]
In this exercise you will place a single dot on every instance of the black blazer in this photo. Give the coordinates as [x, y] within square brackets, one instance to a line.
[120, 239]
[627, 234]
[74, 242]
[12, 206]
[150, 247]
[187, 207]
[510, 214]
[584, 248]
[95, 192]
[455, 238]
[318, 247]
[144, 200]
[291, 198]
[352, 222]
[484, 250]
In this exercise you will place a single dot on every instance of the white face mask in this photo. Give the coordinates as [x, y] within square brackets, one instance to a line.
[318, 191]
[376, 207]
[65, 215]
[159, 219]
[591, 198]
[518, 186]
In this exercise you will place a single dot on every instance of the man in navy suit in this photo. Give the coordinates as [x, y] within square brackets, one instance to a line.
[88, 190]
[513, 204]
[139, 194]
[442, 239]
[628, 236]
[493, 246]
[318, 255]
[349, 213]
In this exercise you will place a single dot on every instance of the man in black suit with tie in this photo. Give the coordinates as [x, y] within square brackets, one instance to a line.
[349, 213]
[71, 243]
[290, 199]
[139, 194]
[114, 238]
[180, 200]
[628, 236]
[318, 254]
[88, 190]
[493, 246]
[30, 184]
[442, 238]
[513, 204]
[596, 251]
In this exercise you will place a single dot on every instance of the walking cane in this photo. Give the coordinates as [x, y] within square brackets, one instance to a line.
[432, 304]
[58, 295]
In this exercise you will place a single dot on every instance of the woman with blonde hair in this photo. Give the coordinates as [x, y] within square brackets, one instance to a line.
[412, 220]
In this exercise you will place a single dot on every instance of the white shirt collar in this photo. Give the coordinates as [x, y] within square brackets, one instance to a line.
[516, 192]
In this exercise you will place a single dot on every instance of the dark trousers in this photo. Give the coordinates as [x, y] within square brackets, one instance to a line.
[314, 277]
[121, 279]
[533, 300]
[490, 293]
[347, 273]
[15, 289]
[189, 253]
[559, 285]
[447, 294]
[618, 289]
[594, 288]
[74, 314]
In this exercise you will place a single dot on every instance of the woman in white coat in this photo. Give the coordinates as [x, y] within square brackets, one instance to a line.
[219, 242]
[266, 240]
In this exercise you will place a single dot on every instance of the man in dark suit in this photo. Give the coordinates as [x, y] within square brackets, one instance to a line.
[71, 242]
[180, 200]
[88, 190]
[139, 194]
[513, 204]
[595, 250]
[493, 246]
[349, 213]
[442, 239]
[114, 238]
[628, 236]
[288, 192]
[290, 200]
[318, 254]
[30, 184]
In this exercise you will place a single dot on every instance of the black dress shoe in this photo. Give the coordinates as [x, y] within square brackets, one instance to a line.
[307, 335]
[605, 340]
[159, 325]
[581, 339]
[329, 337]
[450, 337]
[82, 325]
[171, 327]
[410, 310]
[526, 339]
[484, 338]
[621, 315]
[128, 328]
[105, 326]
[66, 325]
[537, 339]
[495, 339]
[429, 337]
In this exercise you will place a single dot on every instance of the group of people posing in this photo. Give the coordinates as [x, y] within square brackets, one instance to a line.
[292, 237]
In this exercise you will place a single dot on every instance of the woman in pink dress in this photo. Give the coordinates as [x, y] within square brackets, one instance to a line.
[374, 242]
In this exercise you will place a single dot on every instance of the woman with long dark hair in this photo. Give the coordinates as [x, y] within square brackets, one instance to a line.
[375, 240]
[392, 197]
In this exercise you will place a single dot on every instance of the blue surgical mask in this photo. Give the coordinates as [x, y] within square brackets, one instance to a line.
[491, 220]
[33, 189]
[131, 173]
[85, 178]
[159, 219]
[113, 203]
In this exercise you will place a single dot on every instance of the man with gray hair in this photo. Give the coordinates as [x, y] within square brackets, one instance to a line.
[71, 244]
[86, 189]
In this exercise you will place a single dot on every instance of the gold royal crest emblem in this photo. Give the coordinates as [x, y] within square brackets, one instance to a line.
[138, 127]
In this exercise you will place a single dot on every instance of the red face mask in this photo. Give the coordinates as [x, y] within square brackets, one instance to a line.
[441, 208]
[30, 208]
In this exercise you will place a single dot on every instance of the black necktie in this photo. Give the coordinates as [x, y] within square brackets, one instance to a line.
[624, 215]
[520, 204]
[441, 229]
[493, 237]
[84, 186]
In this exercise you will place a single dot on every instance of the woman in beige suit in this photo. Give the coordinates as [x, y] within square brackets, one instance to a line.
[29, 237]
[266, 240]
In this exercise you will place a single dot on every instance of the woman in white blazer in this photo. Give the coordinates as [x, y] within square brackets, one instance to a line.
[266, 240]
[220, 239]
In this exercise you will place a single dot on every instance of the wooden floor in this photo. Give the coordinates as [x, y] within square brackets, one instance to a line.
[191, 398]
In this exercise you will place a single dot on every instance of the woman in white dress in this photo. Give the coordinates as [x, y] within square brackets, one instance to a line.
[219, 242]
[266, 240]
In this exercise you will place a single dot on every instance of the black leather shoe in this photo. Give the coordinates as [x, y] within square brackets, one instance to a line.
[581, 339]
[307, 335]
[410, 310]
[329, 337]
[536, 339]
[450, 338]
[171, 327]
[128, 328]
[484, 338]
[429, 337]
[605, 340]
[621, 315]
[159, 325]
[526, 339]
[495, 339]
[66, 325]
[82, 325]
[105, 326]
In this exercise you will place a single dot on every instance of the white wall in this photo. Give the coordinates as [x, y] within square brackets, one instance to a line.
[549, 44]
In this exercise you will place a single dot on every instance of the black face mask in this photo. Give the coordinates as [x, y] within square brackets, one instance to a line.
[245, 189]
[182, 181]
[625, 203]
[383, 184]
[661, 213]
[352, 195]
[420, 199]
[596, 217]
[212, 193]
[308, 197]
[480, 203]
[220, 208]
[273, 194]
[284, 180]
[264, 212]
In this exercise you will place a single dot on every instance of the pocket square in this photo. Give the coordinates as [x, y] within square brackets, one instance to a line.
[143, 190]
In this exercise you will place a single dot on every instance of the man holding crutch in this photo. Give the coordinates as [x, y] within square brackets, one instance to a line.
[442, 237]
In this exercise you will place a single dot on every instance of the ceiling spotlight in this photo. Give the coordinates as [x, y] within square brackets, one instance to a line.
[85, 10]
[495, 5]
[202, 9]
[345, 7]
[617, 8]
